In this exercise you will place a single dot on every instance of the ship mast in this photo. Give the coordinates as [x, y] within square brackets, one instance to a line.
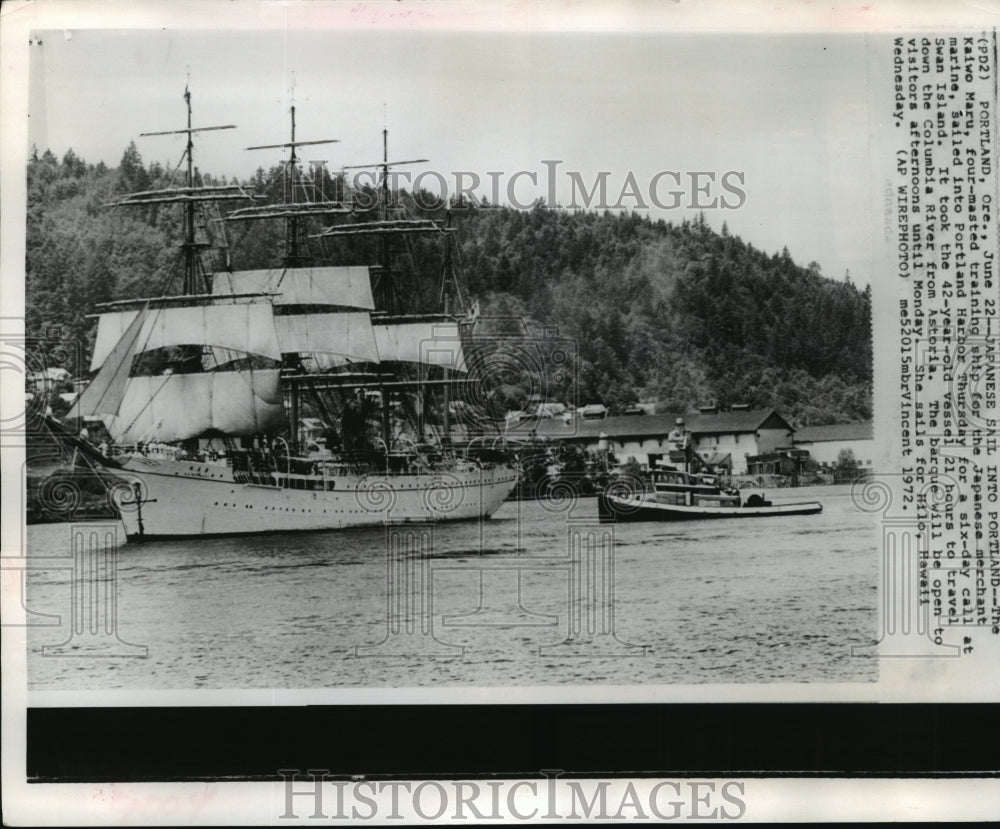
[449, 285]
[292, 227]
[384, 229]
[195, 280]
[383, 214]
[292, 209]
[190, 253]
[225, 324]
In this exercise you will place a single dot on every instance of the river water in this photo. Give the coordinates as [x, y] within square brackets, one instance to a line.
[766, 600]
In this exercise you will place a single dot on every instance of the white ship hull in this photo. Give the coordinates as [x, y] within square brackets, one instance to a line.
[182, 499]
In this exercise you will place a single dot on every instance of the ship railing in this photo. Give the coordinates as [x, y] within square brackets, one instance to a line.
[761, 481]
[263, 465]
[166, 451]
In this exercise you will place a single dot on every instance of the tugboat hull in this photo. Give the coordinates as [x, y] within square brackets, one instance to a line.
[640, 508]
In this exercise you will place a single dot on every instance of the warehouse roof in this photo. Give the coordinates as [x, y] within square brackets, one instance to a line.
[835, 431]
[626, 426]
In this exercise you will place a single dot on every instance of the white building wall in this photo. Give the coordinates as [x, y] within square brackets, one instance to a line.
[826, 451]
[770, 439]
[738, 446]
[638, 448]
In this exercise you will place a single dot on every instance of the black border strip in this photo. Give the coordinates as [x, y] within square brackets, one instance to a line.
[512, 741]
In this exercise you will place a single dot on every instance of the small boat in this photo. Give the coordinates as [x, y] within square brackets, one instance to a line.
[684, 495]
[641, 508]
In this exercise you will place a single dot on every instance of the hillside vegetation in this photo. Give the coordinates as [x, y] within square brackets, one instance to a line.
[674, 313]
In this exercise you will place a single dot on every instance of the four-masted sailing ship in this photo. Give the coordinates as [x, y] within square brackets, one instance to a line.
[219, 377]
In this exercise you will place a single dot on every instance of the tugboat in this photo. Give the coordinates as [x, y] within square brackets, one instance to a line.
[689, 493]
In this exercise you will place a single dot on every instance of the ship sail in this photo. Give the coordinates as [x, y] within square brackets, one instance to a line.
[318, 310]
[427, 342]
[343, 287]
[104, 394]
[176, 407]
[347, 334]
[238, 326]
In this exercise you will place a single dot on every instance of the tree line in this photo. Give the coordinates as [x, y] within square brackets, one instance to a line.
[676, 313]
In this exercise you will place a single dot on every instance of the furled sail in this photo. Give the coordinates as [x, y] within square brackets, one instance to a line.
[346, 287]
[104, 395]
[172, 407]
[239, 326]
[346, 333]
[435, 343]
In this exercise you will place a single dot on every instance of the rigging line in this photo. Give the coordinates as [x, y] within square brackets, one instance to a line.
[250, 370]
[156, 272]
[102, 473]
[171, 273]
[135, 351]
[152, 397]
[141, 350]
[120, 366]
[172, 173]
[281, 278]
[456, 252]
[239, 242]
[253, 391]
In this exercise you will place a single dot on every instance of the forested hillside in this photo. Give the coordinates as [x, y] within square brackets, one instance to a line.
[675, 313]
